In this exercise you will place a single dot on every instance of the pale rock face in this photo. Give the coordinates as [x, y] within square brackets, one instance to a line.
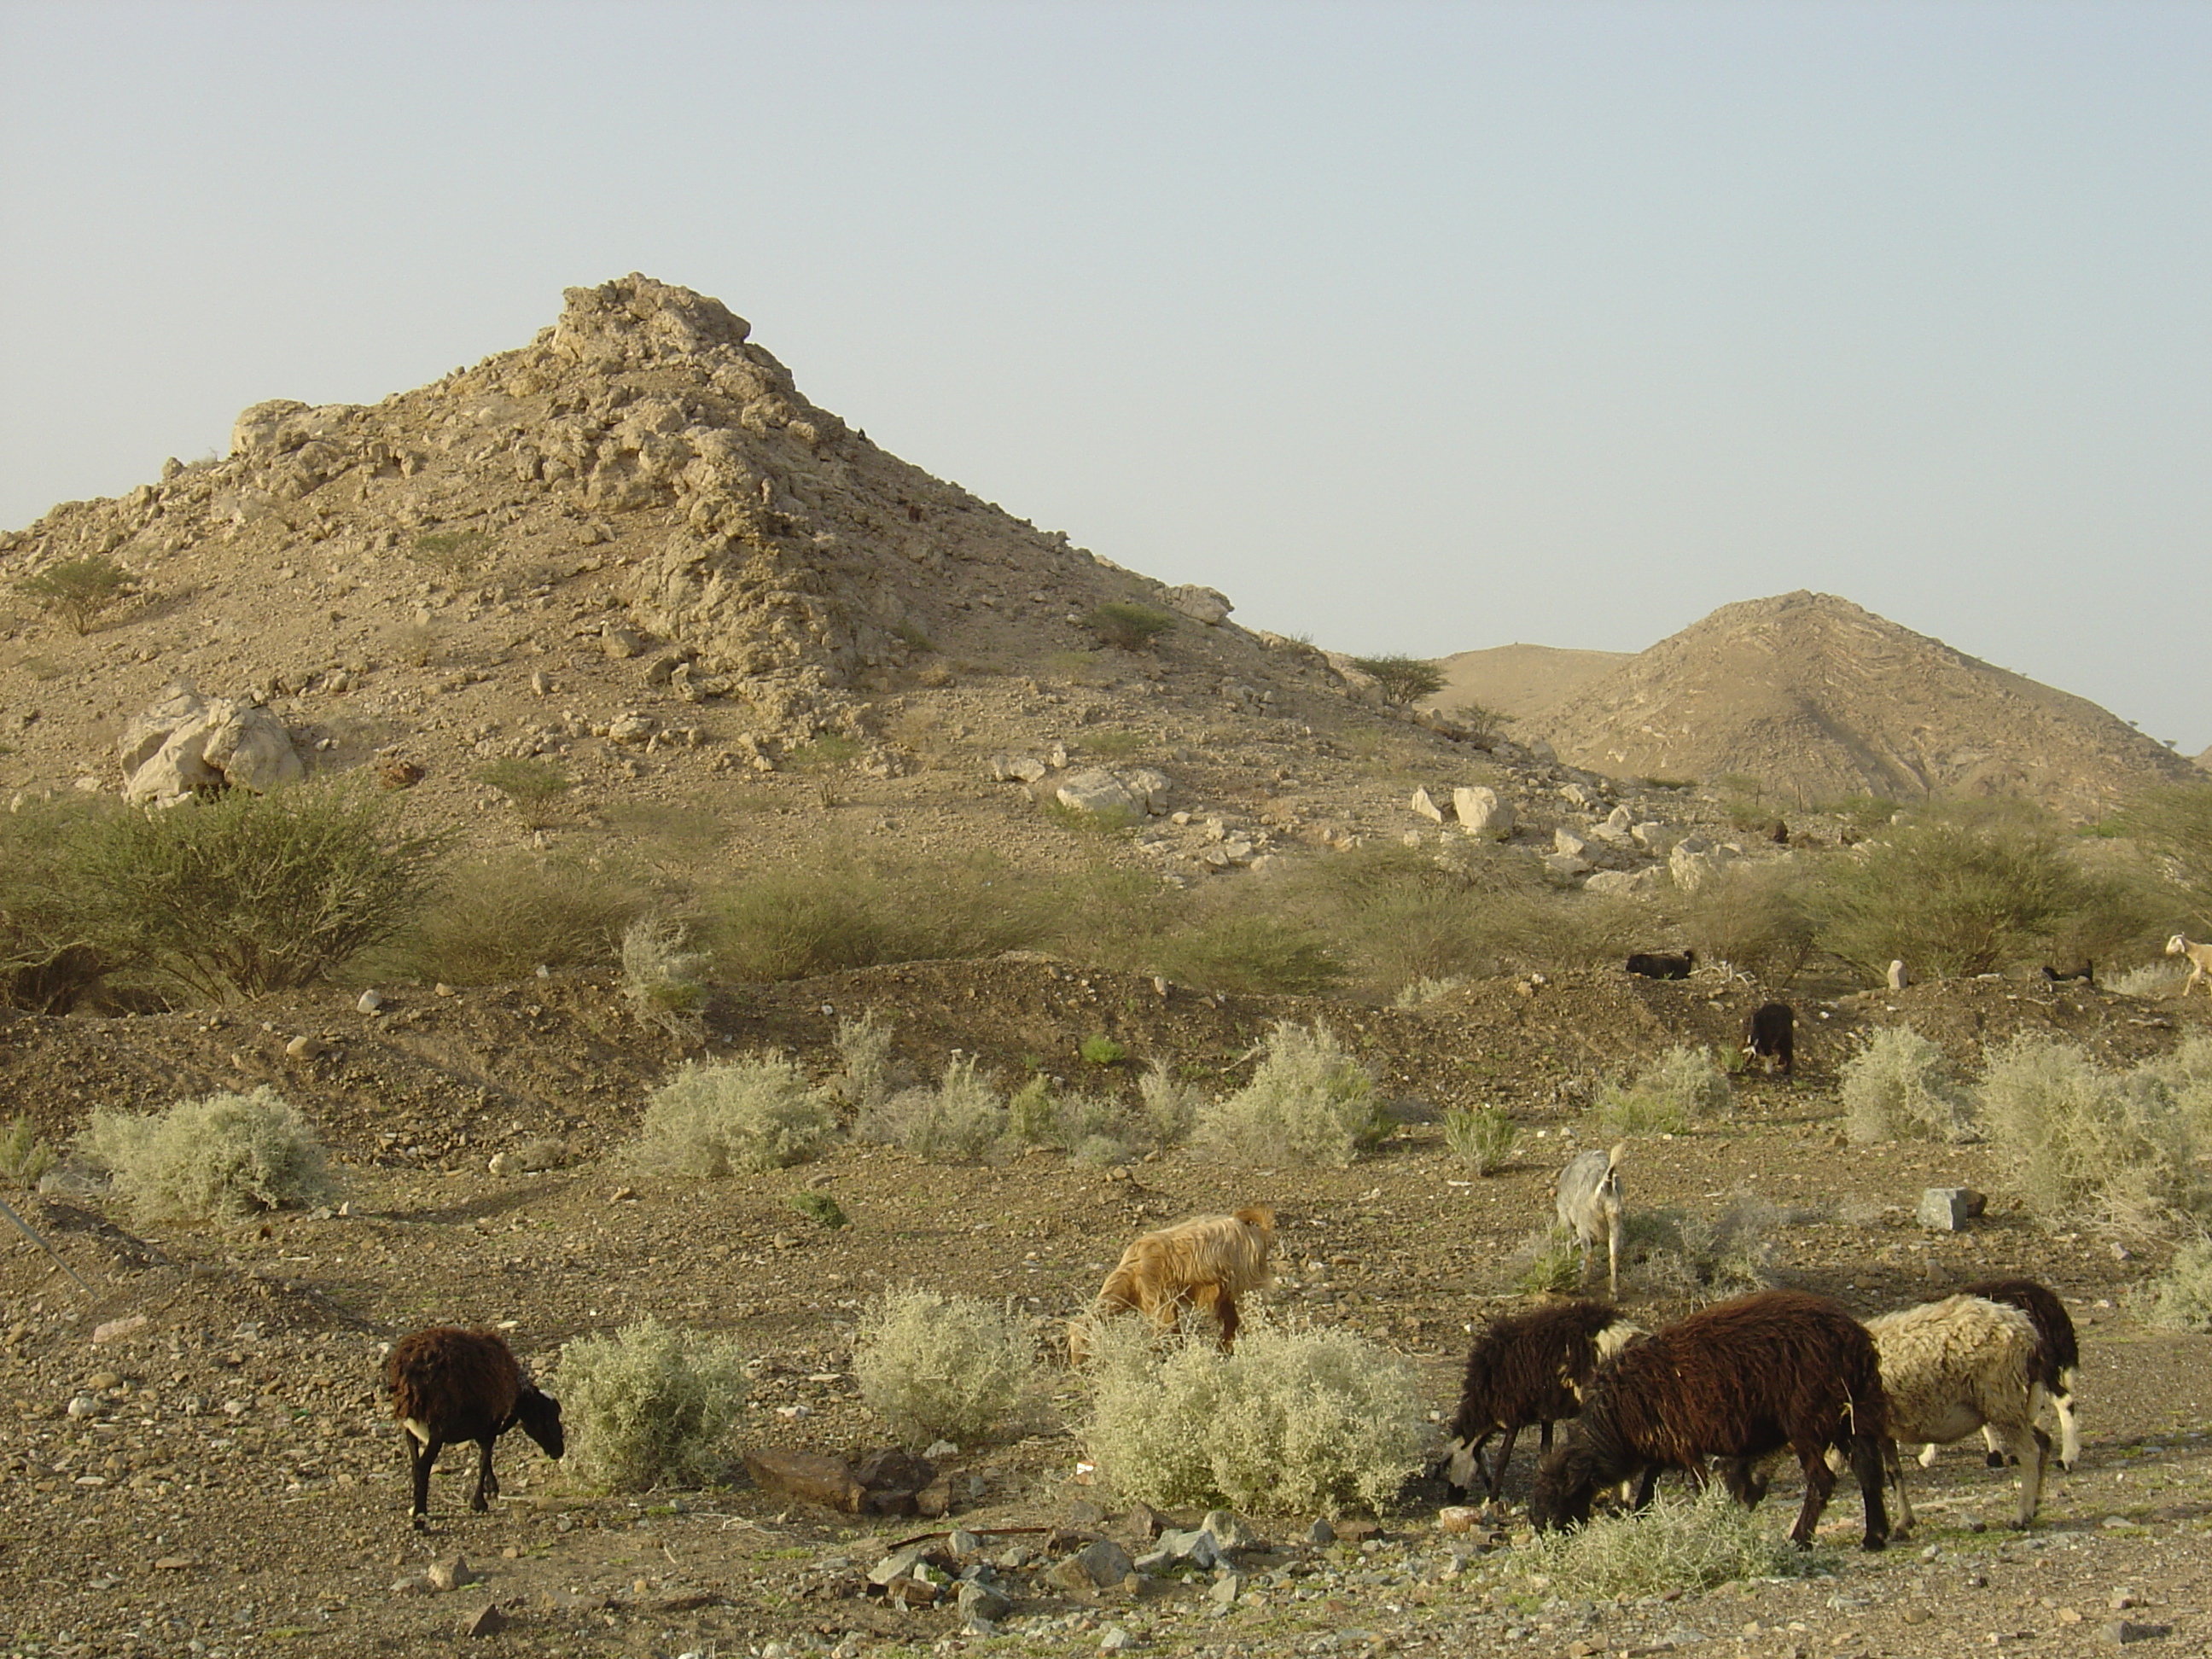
[187, 743]
[1425, 804]
[1205, 605]
[1132, 793]
[1481, 811]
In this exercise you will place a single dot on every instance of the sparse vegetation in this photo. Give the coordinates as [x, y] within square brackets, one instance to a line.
[79, 591]
[1751, 916]
[935, 1366]
[651, 1406]
[737, 1116]
[1682, 1086]
[1481, 1137]
[1899, 1084]
[1100, 1050]
[1291, 1422]
[1310, 1102]
[2174, 822]
[961, 1118]
[1547, 1262]
[865, 1046]
[819, 1208]
[211, 1159]
[25, 1155]
[1676, 1254]
[453, 552]
[1403, 681]
[1676, 1546]
[662, 979]
[531, 786]
[501, 917]
[1128, 627]
[2180, 1299]
[1249, 952]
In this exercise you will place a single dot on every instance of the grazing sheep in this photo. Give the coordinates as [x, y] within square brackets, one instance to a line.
[1589, 1201]
[1207, 1262]
[449, 1383]
[1738, 1381]
[1770, 1035]
[1527, 1368]
[1951, 1367]
[1652, 966]
[2057, 1361]
[2087, 974]
[2200, 960]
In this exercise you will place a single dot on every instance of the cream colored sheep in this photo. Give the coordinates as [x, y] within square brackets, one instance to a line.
[1951, 1367]
[2200, 960]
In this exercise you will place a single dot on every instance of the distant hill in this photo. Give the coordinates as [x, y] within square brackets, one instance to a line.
[1524, 681]
[1820, 699]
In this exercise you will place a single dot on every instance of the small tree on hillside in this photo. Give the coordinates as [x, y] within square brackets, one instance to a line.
[78, 590]
[1404, 680]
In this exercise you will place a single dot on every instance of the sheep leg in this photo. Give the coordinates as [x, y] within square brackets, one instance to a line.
[1495, 1479]
[1225, 1307]
[1927, 1454]
[486, 1482]
[422, 1458]
[1613, 1256]
[2034, 1454]
[1866, 1454]
[1648, 1483]
[1894, 1466]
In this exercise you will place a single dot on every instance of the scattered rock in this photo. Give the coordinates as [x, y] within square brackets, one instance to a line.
[486, 1620]
[452, 1575]
[1101, 1564]
[808, 1476]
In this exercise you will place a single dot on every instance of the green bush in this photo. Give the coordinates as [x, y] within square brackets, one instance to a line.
[1128, 627]
[1291, 1422]
[949, 1367]
[1547, 1262]
[1677, 1546]
[1682, 1086]
[865, 1046]
[500, 919]
[2082, 1139]
[961, 1118]
[733, 1117]
[652, 1406]
[219, 1158]
[531, 786]
[46, 961]
[1480, 1137]
[2180, 1299]
[248, 893]
[819, 1208]
[1250, 954]
[1751, 915]
[1309, 1101]
[79, 590]
[25, 1155]
[2174, 820]
[1100, 1050]
[1899, 1085]
[1402, 680]
[661, 979]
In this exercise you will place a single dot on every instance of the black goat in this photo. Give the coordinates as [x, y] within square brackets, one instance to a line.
[1649, 966]
[1737, 1382]
[1527, 1368]
[1770, 1035]
[449, 1383]
[2087, 974]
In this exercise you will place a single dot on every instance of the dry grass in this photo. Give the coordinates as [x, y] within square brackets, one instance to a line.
[1673, 1548]
[1899, 1085]
[951, 1367]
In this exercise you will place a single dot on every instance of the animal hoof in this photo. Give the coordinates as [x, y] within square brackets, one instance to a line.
[1995, 1460]
[1871, 1543]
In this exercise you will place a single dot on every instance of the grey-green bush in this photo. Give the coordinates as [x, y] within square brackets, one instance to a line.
[651, 1406]
[865, 1046]
[963, 1117]
[662, 979]
[2082, 1139]
[943, 1367]
[219, 1158]
[1675, 1548]
[25, 1155]
[1310, 1102]
[734, 1117]
[1682, 1086]
[501, 917]
[1900, 1085]
[1293, 1421]
[1480, 1137]
[2180, 1299]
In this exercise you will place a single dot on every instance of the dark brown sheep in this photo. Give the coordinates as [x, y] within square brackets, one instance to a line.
[1527, 1368]
[450, 1383]
[1652, 965]
[1738, 1381]
[1770, 1034]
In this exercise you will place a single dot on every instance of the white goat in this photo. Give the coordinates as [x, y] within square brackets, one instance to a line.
[1589, 1202]
[2200, 960]
[1953, 1366]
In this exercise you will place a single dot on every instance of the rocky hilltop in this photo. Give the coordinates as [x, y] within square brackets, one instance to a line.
[1820, 699]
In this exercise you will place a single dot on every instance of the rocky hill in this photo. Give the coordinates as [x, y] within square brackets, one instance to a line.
[1820, 699]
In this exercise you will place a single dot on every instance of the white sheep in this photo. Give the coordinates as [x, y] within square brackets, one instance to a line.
[1953, 1366]
[1589, 1201]
[2200, 960]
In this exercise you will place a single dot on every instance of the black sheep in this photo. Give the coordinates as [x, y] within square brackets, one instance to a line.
[1770, 1035]
[1648, 965]
[1738, 1381]
[1527, 1368]
[449, 1383]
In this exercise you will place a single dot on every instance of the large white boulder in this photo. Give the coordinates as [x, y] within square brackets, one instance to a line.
[187, 743]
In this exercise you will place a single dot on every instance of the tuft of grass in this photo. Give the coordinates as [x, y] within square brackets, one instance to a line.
[1310, 1102]
[1899, 1085]
[1128, 627]
[2152, 979]
[661, 979]
[1093, 1129]
[1167, 1107]
[1293, 1421]
[1682, 1086]
[215, 1158]
[1673, 1548]
[25, 1155]
[935, 1366]
[733, 1117]
[1254, 955]
[1100, 1050]
[865, 1045]
[652, 1404]
[499, 918]
[961, 1119]
[455, 552]
[1480, 1137]
[1116, 745]
[1548, 1262]
[819, 1208]
[531, 786]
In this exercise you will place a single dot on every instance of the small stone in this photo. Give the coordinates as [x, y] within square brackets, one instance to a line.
[1231, 1530]
[979, 1601]
[1098, 1565]
[1457, 1517]
[307, 1048]
[1943, 1209]
[487, 1620]
[83, 1405]
[2121, 1631]
[963, 1542]
[1114, 1639]
[369, 1000]
[115, 1328]
[452, 1575]
[1321, 1533]
[174, 1564]
[1227, 1588]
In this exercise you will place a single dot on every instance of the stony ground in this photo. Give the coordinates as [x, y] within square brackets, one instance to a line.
[221, 1479]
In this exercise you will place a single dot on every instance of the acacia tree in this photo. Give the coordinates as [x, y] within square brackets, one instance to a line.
[1403, 680]
[2175, 822]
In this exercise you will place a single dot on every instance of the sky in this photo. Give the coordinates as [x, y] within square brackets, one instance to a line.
[1412, 327]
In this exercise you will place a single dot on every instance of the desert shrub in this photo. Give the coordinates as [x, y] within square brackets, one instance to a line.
[2079, 1137]
[1751, 915]
[1251, 953]
[1683, 1084]
[455, 552]
[819, 1208]
[1127, 627]
[1678, 1254]
[963, 1117]
[651, 1405]
[1676, 1546]
[2174, 820]
[1481, 1137]
[1423, 991]
[2152, 979]
[1954, 895]
[531, 786]
[1293, 1421]
[733, 1117]
[1547, 1262]
[1899, 1085]
[2180, 1299]
[950, 1367]
[1483, 722]
[865, 1045]
[500, 919]
[661, 979]
[218, 1157]
[1100, 1050]
[46, 963]
[79, 591]
[1402, 680]
[1309, 1101]
[25, 1155]
[1167, 1107]
[1091, 1128]
[245, 894]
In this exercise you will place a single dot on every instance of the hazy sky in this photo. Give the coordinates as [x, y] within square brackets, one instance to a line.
[1412, 327]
